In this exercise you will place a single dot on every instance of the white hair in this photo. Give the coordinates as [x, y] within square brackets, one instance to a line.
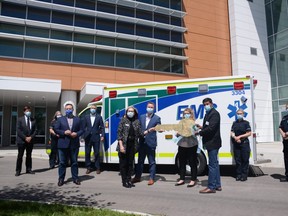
[69, 103]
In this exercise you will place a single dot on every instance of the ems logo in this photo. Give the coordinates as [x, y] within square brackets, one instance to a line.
[233, 109]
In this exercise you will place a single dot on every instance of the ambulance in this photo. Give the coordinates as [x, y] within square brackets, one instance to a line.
[170, 98]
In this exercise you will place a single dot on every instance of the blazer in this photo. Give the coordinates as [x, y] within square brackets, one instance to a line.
[150, 139]
[61, 126]
[210, 131]
[23, 131]
[93, 132]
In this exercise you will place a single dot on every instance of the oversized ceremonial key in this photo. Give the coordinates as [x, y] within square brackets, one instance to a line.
[185, 127]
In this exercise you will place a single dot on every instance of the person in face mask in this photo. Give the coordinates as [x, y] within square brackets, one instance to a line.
[53, 157]
[240, 131]
[148, 143]
[211, 139]
[187, 149]
[69, 129]
[93, 127]
[26, 131]
[128, 133]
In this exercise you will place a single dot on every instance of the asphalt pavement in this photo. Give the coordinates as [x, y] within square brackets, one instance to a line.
[262, 195]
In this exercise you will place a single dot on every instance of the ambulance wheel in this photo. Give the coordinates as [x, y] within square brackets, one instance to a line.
[201, 164]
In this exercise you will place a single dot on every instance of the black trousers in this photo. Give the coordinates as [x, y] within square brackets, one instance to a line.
[126, 162]
[53, 157]
[285, 152]
[21, 148]
[241, 156]
[188, 155]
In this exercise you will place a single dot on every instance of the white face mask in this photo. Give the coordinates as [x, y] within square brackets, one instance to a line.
[130, 114]
[207, 108]
[149, 110]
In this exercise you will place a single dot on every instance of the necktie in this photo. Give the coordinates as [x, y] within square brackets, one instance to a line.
[28, 124]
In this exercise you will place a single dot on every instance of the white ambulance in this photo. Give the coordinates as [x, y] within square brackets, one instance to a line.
[171, 98]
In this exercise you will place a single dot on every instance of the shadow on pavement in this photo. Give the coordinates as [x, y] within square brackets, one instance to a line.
[281, 178]
[49, 194]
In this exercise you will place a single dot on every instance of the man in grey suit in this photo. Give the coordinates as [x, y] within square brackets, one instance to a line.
[26, 131]
[148, 143]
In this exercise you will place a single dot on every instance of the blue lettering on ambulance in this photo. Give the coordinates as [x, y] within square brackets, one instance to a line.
[198, 113]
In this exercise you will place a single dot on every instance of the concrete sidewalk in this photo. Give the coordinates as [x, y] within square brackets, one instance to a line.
[265, 151]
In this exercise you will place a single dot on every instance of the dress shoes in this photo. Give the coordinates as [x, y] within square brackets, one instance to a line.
[98, 171]
[130, 184]
[243, 179]
[88, 171]
[135, 180]
[77, 182]
[17, 173]
[192, 185]
[60, 182]
[126, 185]
[219, 189]
[207, 191]
[150, 182]
[238, 178]
[30, 172]
[181, 183]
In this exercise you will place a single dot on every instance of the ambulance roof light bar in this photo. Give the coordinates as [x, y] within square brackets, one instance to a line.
[112, 94]
[171, 89]
[238, 85]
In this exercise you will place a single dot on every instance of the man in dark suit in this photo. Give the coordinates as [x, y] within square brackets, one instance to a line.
[148, 143]
[92, 126]
[210, 132]
[26, 131]
[68, 128]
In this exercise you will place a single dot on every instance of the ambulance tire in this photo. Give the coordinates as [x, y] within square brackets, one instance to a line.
[201, 165]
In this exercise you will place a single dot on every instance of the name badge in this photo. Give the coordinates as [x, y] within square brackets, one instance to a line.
[206, 123]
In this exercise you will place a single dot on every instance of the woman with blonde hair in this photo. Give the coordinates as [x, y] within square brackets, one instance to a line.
[187, 148]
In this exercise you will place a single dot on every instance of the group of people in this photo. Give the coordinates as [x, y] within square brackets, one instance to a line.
[139, 134]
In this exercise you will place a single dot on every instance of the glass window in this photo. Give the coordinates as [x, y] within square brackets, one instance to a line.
[176, 36]
[40, 117]
[62, 18]
[162, 3]
[162, 49]
[13, 10]
[37, 32]
[145, 31]
[144, 62]
[162, 64]
[84, 38]
[104, 58]
[176, 51]
[36, 50]
[39, 14]
[280, 16]
[146, 1]
[105, 41]
[176, 4]
[86, 4]
[142, 14]
[125, 43]
[161, 34]
[177, 66]
[104, 7]
[13, 127]
[271, 44]
[12, 29]
[83, 55]
[11, 48]
[144, 46]
[275, 94]
[106, 25]
[282, 67]
[273, 74]
[269, 19]
[176, 21]
[281, 40]
[45, 0]
[125, 11]
[64, 2]
[161, 18]
[61, 35]
[60, 53]
[84, 21]
[125, 60]
[125, 28]
[283, 92]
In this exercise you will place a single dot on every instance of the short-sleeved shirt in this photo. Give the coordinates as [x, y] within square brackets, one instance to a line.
[284, 124]
[241, 127]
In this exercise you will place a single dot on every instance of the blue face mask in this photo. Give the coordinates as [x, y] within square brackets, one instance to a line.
[68, 112]
[150, 110]
[207, 108]
[28, 114]
[130, 114]
[92, 111]
[187, 116]
[240, 117]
